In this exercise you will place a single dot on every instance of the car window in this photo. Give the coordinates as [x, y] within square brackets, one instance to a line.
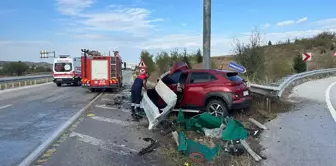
[234, 77]
[172, 78]
[198, 77]
[63, 67]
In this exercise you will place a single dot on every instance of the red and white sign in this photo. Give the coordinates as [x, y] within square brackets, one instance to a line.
[142, 67]
[142, 64]
[334, 54]
[307, 56]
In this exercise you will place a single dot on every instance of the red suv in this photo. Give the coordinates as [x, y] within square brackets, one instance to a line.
[210, 90]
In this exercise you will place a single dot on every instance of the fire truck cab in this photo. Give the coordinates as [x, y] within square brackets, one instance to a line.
[67, 70]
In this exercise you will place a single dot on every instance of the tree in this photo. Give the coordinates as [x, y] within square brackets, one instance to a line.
[148, 60]
[162, 62]
[199, 57]
[269, 43]
[299, 65]
[251, 56]
[185, 58]
[17, 68]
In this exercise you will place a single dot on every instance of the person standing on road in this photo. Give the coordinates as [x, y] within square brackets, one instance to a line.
[139, 83]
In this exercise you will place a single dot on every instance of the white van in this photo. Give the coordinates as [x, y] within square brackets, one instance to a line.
[67, 70]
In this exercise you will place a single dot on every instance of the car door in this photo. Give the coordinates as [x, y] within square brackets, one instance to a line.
[195, 88]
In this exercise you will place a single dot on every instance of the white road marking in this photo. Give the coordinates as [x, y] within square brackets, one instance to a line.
[2, 107]
[120, 149]
[328, 101]
[114, 121]
[113, 108]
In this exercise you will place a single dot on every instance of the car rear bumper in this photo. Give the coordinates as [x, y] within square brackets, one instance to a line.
[242, 103]
[64, 80]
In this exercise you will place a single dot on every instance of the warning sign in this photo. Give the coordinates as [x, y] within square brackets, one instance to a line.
[142, 64]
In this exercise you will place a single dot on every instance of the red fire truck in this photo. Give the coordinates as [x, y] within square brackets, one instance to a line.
[101, 71]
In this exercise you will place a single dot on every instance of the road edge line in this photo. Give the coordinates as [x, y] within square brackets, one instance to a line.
[328, 101]
[44, 146]
[24, 87]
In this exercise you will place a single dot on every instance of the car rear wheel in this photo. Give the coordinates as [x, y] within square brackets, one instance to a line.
[59, 84]
[217, 108]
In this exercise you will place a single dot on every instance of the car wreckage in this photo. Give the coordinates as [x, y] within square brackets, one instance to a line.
[195, 90]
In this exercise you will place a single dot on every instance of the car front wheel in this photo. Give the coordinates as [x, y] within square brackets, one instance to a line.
[217, 108]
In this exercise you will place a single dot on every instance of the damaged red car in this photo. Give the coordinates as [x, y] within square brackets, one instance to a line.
[209, 90]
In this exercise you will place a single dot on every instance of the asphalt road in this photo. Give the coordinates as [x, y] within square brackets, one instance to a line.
[106, 136]
[29, 116]
[305, 136]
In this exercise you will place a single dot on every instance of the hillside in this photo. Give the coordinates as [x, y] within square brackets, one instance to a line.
[268, 63]
[26, 68]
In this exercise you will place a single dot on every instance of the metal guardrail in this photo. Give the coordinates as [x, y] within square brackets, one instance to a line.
[13, 82]
[277, 91]
[11, 79]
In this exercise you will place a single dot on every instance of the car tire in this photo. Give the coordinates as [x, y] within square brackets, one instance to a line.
[59, 84]
[217, 108]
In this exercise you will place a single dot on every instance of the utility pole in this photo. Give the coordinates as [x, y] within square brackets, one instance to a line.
[206, 33]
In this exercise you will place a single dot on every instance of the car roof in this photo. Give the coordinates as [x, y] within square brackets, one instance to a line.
[210, 71]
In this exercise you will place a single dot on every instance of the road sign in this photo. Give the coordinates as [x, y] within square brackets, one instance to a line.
[237, 67]
[142, 67]
[142, 64]
[334, 54]
[307, 56]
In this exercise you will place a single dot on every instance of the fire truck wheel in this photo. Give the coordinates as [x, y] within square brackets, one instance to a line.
[59, 84]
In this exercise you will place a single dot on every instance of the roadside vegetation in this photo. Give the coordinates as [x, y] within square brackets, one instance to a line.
[265, 62]
[21, 68]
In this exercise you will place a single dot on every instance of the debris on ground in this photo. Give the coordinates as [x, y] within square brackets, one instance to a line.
[153, 145]
[228, 130]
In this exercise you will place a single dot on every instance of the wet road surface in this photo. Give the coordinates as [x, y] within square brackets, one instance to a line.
[305, 136]
[29, 116]
[106, 136]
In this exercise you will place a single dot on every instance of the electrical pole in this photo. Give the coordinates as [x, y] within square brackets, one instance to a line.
[206, 33]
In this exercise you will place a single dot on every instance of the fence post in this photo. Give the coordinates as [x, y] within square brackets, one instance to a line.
[5, 85]
[25, 83]
[34, 82]
[268, 104]
[19, 83]
[12, 84]
[0, 86]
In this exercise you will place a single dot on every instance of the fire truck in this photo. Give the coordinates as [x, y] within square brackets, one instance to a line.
[101, 71]
[67, 70]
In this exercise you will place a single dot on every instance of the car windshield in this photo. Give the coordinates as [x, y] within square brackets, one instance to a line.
[234, 77]
[172, 78]
[63, 67]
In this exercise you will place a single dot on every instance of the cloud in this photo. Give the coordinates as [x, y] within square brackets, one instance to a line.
[290, 22]
[285, 23]
[265, 26]
[184, 24]
[116, 18]
[73, 7]
[301, 20]
[326, 23]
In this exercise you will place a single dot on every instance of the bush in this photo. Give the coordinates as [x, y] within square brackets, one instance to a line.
[251, 56]
[299, 65]
[199, 57]
[17, 68]
[148, 60]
